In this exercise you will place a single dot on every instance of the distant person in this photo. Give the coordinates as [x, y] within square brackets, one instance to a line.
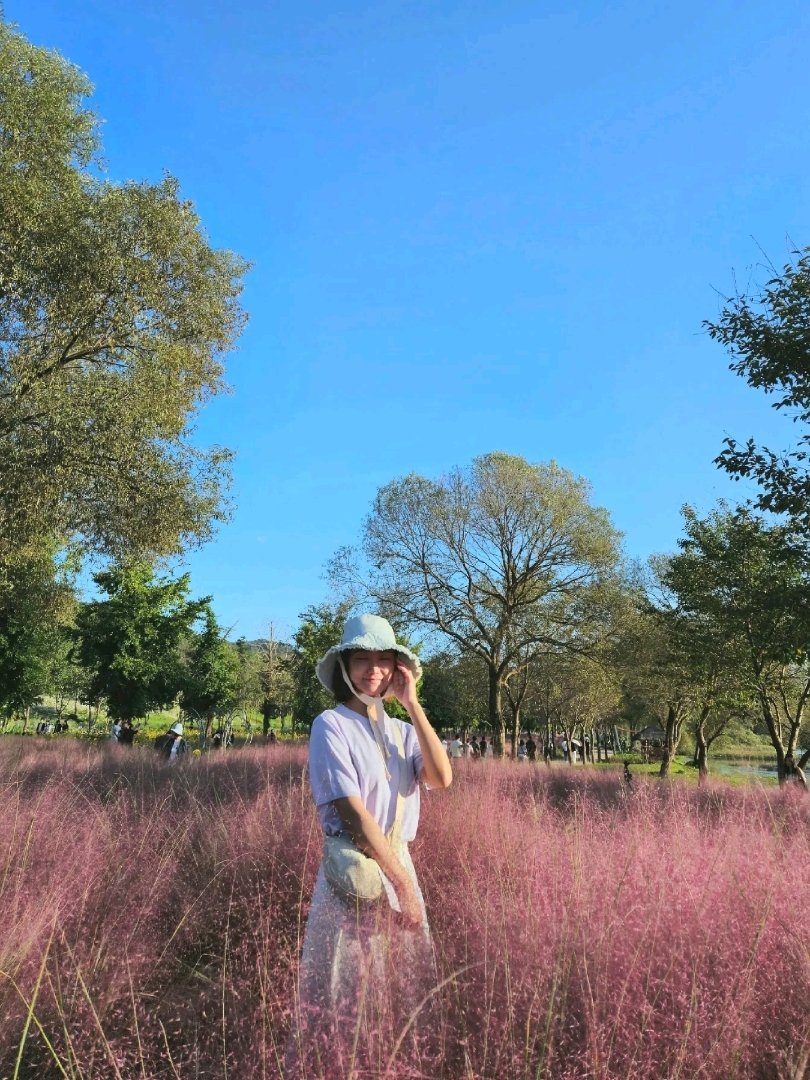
[178, 747]
[521, 750]
[116, 731]
[531, 748]
[548, 750]
[172, 744]
[564, 748]
[482, 747]
[126, 735]
[272, 737]
[456, 749]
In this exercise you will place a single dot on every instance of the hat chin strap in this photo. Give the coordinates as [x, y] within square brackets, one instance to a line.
[376, 715]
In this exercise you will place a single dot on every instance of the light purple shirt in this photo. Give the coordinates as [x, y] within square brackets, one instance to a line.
[344, 760]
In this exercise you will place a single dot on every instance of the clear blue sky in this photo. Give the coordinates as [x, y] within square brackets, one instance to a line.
[475, 226]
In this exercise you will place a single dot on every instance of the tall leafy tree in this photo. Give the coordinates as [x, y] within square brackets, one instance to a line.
[501, 559]
[37, 600]
[210, 681]
[767, 334]
[275, 678]
[130, 640]
[249, 666]
[115, 316]
[454, 691]
[320, 628]
[748, 581]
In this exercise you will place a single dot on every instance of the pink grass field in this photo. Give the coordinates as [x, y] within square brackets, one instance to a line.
[151, 920]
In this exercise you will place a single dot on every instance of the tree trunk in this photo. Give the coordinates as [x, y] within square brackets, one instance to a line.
[673, 738]
[701, 754]
[568, 755]
[772, 725]
[515, 730]
[496, 722]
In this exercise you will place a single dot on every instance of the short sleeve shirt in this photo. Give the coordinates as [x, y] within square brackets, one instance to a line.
[344, 760]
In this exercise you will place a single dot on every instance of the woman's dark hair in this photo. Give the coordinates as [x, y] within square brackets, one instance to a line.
[340, 687]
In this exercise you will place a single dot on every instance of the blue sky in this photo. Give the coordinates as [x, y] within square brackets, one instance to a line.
[474, 227]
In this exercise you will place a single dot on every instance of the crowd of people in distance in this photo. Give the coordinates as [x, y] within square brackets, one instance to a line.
[529, 748]
[479, 747]
[52, 727]
[173, 745]
[123, 732]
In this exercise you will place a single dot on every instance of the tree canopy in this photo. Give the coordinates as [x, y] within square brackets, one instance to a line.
[130, 641]
[210, 680]
[115, 316]
[502, 558]
[320, 628]
[768, 336]
[36, 603]
[748, 582]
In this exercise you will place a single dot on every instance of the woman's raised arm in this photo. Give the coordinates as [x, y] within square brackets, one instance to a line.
[436, 769]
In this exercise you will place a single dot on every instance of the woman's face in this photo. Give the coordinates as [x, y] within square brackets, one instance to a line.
[371, 672]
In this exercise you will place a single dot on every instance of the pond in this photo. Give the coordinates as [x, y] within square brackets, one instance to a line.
[754, 770]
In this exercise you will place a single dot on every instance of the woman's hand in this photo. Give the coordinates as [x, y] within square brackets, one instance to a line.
[403, 686]
[410, 906]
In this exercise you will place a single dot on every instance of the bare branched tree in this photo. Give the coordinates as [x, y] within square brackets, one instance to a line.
[504, 558]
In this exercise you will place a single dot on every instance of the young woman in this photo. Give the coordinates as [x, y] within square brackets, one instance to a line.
[366, 963]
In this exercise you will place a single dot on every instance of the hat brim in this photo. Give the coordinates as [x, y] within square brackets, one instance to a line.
[325, 668]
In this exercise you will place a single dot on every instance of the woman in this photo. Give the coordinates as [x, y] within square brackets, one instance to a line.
[366, 964]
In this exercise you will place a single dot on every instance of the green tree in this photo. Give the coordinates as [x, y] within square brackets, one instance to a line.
[115, 316]
[130, 641]
[571, 693]
[767, 334]
[501, 559]
[210, 682]
[276, 679]
[320, 628]
[749, 581]
[249, 682]
[66, 678]
[677, 671]
[454, 691]
[37, 599]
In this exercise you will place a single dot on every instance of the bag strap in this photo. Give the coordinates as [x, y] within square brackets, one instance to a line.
[396, 828]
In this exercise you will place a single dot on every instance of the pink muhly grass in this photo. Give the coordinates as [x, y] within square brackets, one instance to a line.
[153, 917]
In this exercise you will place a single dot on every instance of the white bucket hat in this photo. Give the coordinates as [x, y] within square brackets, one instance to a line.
[369, 632]
[176, 729]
